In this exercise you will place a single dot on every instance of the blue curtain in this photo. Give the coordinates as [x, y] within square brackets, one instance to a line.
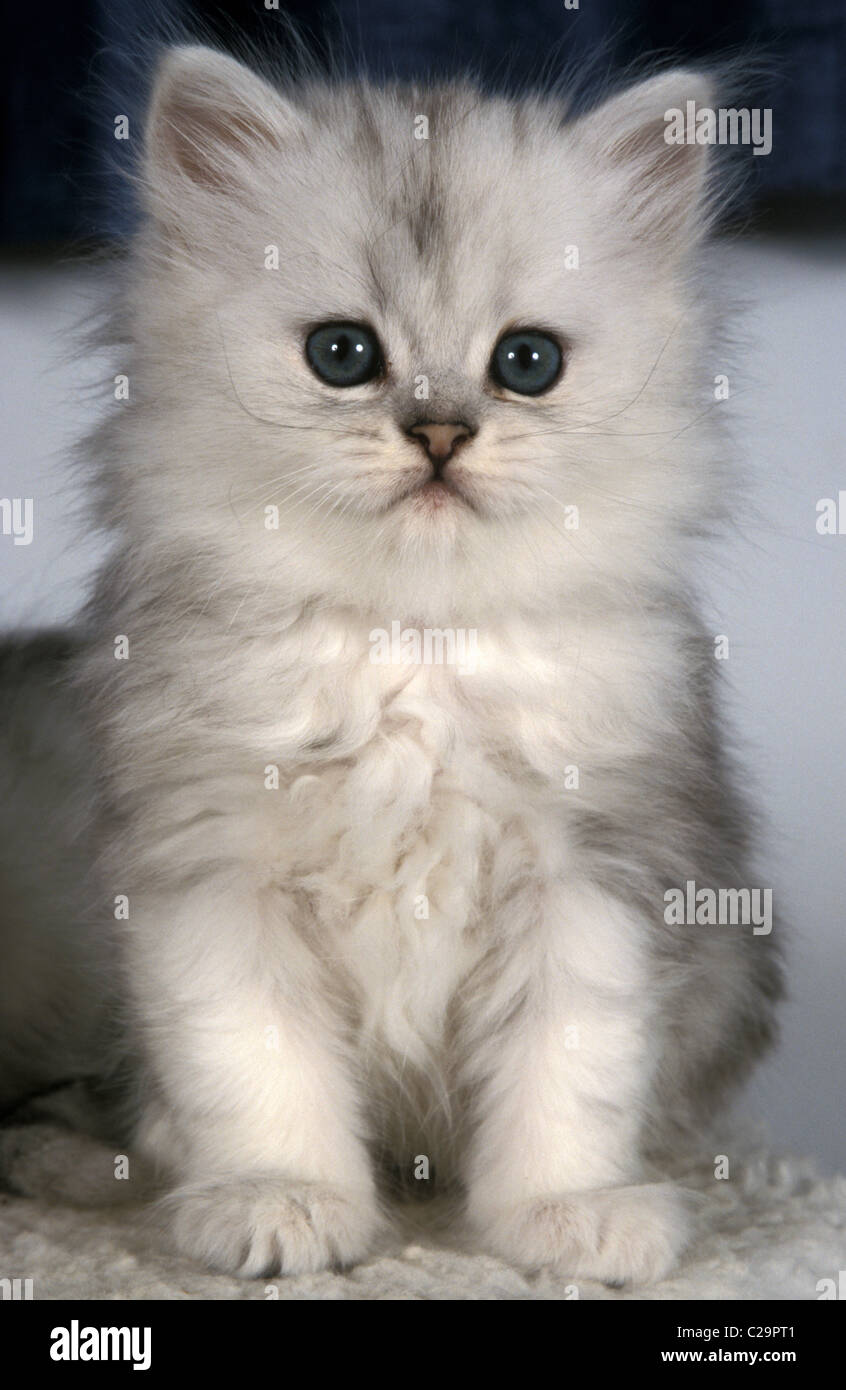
[67, 70]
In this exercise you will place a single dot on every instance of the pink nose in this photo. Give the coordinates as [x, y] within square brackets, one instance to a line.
[440, 441]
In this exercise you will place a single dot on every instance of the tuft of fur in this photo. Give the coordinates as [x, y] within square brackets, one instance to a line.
[372, 918]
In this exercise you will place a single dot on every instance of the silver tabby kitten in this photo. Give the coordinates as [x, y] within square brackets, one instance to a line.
[413, 731]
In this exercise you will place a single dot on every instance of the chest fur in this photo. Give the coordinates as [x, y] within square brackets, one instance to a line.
[399, 851]
[412, 800]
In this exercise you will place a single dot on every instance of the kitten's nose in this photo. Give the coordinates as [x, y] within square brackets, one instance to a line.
[440, 441]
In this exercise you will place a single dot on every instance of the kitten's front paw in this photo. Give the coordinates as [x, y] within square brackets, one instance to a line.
[617, 1235]
[262, 1226]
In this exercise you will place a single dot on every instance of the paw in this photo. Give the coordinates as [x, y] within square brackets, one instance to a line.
[617, 1235]
[262, 1226]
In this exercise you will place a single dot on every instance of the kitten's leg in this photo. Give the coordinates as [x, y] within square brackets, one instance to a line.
[554, 1174]
[254, 1112]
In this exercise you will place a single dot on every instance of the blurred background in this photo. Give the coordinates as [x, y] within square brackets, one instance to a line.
[775, 587]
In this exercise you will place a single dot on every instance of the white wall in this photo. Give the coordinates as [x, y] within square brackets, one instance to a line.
[782, 600]
[777, 592]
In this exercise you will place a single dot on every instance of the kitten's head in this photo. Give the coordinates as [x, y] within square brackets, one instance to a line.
[418, 347]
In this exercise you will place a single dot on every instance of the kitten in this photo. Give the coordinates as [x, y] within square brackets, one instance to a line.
[416, 372]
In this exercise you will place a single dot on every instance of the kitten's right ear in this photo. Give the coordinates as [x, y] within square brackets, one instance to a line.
[210, 121]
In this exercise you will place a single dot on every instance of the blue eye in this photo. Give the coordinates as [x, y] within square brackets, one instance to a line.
[528, 362]
[344, 354]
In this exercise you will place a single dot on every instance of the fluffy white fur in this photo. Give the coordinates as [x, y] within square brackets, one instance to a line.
[299, 1022]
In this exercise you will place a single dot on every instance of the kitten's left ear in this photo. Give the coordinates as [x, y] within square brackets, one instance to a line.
[644, 139]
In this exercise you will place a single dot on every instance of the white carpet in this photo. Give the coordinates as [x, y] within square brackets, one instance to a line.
[773, 1231]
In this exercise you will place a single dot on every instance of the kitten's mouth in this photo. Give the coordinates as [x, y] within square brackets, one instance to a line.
[434, 494]
[437, 492]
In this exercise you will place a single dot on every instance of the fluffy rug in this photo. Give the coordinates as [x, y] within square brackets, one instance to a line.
[774, 1230]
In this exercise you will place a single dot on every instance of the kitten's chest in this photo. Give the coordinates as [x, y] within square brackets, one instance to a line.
[402, 846]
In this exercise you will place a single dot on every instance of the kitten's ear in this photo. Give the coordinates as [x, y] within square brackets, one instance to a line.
[210, 120]
[640, 138]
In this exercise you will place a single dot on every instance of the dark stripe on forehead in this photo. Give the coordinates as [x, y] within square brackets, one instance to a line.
[410, 179]
[426, 216]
